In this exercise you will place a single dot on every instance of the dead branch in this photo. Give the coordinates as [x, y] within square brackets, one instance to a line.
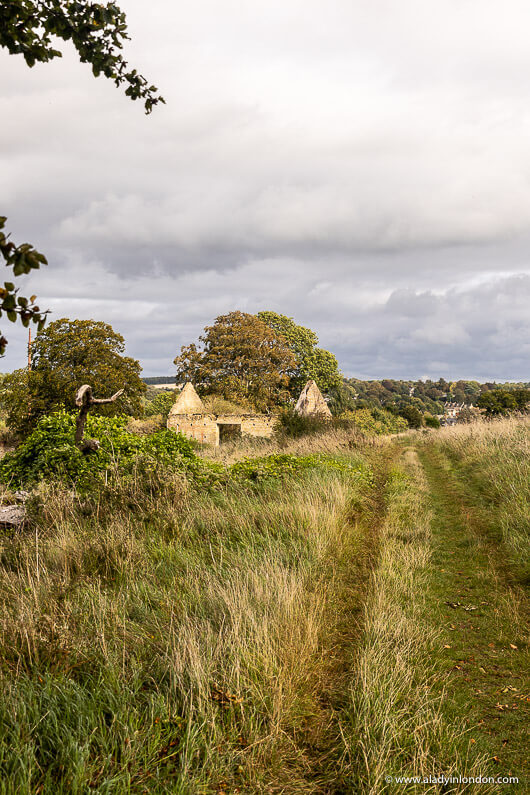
[85, 400]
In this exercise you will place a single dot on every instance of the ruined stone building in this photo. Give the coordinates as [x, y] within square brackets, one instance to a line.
[311, 403]
[188, 416]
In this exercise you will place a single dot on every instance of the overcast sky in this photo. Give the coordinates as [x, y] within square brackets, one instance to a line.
[363, 167]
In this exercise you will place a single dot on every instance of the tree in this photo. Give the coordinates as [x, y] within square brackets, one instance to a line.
[241, 359]
[311, 362]
[343, 398]
[501, 401]
[522, 398]
[67, 354]
[31, 28]
[85, 400]
[412, 415]
[97, 32]
[21, 259]
[431, 422]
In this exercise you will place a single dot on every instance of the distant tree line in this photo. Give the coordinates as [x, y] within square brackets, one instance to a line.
[428, 397]
[159, 379]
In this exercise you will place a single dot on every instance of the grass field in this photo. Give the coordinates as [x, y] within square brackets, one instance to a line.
[329, 632]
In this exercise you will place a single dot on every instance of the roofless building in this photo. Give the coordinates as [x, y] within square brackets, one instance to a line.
[188, 416]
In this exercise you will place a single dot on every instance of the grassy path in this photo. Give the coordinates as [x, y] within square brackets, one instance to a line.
[484, 619]
[439, 683]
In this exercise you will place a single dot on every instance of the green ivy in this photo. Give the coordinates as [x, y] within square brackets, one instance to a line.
[50, 452]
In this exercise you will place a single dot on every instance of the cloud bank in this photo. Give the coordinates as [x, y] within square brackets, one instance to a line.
[361, 167]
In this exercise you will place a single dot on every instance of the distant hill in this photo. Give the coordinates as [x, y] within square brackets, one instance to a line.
[160, 379]
[427, 396]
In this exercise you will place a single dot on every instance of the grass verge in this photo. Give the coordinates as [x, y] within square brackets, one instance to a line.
[174, 644]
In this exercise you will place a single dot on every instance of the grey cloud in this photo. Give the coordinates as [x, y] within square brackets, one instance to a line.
[363, 167]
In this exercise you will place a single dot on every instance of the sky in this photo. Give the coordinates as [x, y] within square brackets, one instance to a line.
[363, 167]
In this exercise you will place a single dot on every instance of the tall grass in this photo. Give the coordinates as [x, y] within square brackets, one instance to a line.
[168, 644]
[495, 457]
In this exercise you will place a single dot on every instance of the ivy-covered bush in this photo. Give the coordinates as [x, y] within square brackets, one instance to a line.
[50, 452]
[292, 425]
[161, 404]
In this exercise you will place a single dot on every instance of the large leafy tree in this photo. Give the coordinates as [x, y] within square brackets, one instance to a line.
[67, 354]
[32, 29]
[310, 361]
[498, 402]
[240, 358]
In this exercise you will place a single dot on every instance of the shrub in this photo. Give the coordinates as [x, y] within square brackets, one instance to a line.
[376, 422]
[280, 465]
[160, 404]
[431, 422]
[50, 452]
[412, 415]
[292, 425]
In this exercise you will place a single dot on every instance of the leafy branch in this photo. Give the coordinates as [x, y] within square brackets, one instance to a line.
[96, 30]
[21, 259]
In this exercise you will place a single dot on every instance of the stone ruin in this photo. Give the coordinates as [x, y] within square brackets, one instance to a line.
[188, 416]
[311, 403]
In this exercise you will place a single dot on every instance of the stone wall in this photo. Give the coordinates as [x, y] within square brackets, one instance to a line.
[258, 425]
[201, 427]
[205, 427]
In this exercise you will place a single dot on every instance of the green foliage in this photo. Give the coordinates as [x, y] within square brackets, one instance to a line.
[32, 28]
[160, 404]
[292, 425]
[241, 359]
[311, 362]
[428, 397]
[501, 401]
[343, 398]
[375, 422]
[50, 453]
[276, 467]
[21, 259]
[372, 422]
[67, 354]
[412, 415]
[431, 422]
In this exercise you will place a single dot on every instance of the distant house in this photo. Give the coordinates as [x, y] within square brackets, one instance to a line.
[453, 413]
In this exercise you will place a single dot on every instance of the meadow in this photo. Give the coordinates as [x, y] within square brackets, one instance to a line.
[330, 616]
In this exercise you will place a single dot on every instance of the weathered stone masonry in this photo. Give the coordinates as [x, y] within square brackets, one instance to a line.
[189, 417]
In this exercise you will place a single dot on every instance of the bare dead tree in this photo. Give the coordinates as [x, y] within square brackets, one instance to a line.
[85, 400]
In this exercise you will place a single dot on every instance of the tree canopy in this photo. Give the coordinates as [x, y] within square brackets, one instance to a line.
[67, 354]
[311, 361]
[32, 28]
[242, 359]
[501, 401]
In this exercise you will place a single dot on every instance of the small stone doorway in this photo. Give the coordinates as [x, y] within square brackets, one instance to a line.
[229, 432]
